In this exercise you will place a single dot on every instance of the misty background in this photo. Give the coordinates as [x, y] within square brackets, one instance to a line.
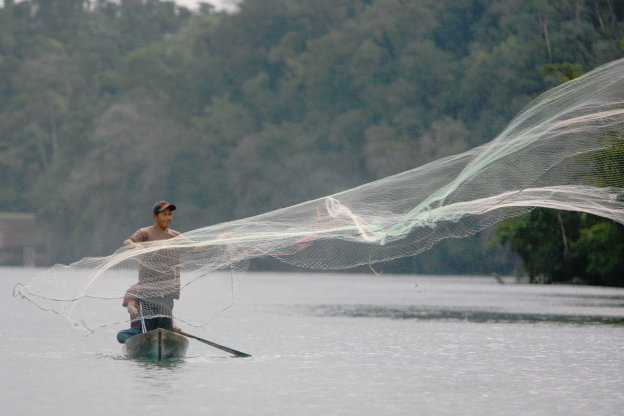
[109, 106]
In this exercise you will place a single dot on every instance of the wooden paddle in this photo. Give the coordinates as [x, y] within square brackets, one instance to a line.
[213, 344]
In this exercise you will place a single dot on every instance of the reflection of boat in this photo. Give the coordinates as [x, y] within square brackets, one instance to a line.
[156, 345]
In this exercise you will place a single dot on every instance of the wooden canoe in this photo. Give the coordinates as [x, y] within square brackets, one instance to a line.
[156, 345]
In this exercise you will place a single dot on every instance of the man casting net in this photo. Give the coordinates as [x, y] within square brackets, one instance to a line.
[565, 150]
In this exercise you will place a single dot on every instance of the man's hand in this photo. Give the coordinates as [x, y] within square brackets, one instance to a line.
[176, 328]
[131, 244]
[132, 310]
[224, 235]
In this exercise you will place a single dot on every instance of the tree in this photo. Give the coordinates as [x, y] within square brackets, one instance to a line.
[281, 102]
[558, 246]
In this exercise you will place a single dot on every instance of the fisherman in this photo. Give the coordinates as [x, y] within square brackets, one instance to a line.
[130, 302]
[159, 272]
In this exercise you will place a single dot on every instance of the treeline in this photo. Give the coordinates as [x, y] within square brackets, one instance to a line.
[107, 106]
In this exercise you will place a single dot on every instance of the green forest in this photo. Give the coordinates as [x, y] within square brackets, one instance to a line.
[108, 106]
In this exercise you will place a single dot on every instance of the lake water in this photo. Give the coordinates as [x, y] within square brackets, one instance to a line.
[337, 345]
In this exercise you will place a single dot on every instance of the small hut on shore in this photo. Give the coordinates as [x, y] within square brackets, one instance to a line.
[21, 242]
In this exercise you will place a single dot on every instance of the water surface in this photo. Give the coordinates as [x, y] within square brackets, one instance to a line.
[338, 345]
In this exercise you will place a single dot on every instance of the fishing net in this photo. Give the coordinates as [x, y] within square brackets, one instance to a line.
[565, 150]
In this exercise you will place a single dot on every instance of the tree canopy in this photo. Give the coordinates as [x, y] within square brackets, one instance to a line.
[107, 106]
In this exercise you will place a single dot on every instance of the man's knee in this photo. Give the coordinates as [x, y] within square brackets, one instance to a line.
[124, 334]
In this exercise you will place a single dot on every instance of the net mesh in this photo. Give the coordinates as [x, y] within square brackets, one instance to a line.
[565, 150]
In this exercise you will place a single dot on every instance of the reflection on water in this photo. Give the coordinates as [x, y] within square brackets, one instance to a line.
[140, 361]
[429, 314]
[164, 365]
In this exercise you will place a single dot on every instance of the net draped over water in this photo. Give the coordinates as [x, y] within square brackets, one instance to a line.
[565, 150]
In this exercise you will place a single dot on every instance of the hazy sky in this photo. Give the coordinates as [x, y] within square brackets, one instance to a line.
[219, 4]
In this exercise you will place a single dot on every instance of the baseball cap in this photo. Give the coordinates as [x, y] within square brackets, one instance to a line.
[160, 206]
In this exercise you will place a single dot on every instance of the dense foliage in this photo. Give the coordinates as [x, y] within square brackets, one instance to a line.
[569, 246]
[107, 106]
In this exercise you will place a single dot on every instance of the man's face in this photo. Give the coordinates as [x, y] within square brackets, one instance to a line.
[163, 219]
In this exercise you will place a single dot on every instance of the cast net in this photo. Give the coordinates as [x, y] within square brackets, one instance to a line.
[565, 150]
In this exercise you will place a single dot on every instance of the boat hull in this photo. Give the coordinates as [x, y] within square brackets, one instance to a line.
[156, 345]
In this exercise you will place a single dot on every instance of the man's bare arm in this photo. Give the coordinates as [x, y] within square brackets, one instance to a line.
[132, 307]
